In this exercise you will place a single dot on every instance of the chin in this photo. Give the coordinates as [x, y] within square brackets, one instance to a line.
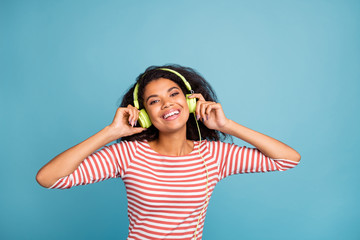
[171, 127]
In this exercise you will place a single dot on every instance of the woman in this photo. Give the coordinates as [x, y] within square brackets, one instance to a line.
[169, 173]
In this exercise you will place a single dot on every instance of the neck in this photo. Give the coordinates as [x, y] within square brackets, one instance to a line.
[174, 144]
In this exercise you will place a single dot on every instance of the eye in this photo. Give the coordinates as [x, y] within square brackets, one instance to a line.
[152, 102]
[174, 94]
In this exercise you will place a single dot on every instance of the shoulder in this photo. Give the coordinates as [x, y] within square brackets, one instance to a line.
[220, 145]
[209, 145]
[126, 146]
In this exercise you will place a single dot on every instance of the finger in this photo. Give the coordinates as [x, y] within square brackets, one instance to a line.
[133, 114]
[206, 109]
[203, 108]
[209, 108]
[134, 130]
[198, 109]
[120, 113]
[198, 96]
[138, 129]
[137, 112]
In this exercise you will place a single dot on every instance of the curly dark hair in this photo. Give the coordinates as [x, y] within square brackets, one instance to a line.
[198, 85]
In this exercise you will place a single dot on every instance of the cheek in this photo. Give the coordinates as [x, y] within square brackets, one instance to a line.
[153, 113]
[186, 107]
[150, 112]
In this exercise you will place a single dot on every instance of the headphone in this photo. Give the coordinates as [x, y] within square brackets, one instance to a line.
[144, 119]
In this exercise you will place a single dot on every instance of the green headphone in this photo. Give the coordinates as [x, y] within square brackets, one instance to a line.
[144, 118]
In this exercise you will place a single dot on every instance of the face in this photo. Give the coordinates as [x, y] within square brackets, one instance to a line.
[166, 105]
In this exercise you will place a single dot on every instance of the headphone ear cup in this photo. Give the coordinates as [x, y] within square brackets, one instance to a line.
[144, 119]
[191, 102]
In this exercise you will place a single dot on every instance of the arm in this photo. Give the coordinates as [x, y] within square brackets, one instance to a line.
[267, 145]
[68, 161]
[212, 115]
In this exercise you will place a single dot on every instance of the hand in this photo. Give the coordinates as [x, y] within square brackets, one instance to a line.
[210, 113]
[124, 121]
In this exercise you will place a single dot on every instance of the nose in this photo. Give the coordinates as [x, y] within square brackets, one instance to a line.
[167, 103]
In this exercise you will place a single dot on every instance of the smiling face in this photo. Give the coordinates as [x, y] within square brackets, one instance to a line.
[166, 105]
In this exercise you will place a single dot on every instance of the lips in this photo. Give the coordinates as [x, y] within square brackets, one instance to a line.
[172, 114]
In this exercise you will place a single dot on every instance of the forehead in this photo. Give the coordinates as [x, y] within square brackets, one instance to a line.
[159, 85]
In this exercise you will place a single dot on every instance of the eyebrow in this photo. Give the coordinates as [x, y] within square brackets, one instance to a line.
[154, 95]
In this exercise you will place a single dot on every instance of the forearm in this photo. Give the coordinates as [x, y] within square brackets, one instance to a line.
[68, 161]
[267, 145]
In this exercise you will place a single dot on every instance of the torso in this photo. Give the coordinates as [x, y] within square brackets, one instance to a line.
[189, 147]
[168, 192]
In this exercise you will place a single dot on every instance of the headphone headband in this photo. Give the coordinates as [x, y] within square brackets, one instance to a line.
[187, 84]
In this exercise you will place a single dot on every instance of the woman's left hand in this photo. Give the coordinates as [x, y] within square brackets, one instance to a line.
[210, 113]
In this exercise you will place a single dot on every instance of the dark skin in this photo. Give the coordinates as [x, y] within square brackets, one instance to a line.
[162, 96]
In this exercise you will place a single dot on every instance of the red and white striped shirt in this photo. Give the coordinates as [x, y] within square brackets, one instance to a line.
[166, 194]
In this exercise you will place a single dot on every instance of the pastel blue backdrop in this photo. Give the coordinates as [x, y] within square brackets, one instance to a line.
[289, 69]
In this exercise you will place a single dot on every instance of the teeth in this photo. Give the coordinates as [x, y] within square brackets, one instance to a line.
[170, 114]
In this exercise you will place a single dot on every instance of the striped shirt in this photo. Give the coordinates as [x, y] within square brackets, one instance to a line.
[166, 194]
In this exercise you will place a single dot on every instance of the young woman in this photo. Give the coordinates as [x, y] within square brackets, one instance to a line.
[172, 163]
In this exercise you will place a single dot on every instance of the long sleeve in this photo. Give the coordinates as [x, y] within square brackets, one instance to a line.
[233, 159]
[109, 162]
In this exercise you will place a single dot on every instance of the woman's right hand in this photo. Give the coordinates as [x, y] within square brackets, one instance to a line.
[124, 121]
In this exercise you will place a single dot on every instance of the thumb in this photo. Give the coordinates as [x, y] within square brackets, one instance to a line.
[138, 129]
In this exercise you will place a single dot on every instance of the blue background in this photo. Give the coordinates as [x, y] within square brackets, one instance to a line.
[288, 69]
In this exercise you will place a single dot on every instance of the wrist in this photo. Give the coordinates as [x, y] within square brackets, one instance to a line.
[110, 133]
[226, 126]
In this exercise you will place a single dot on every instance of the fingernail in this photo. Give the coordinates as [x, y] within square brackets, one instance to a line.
[197, 117]
[207, 117]
[136, 122]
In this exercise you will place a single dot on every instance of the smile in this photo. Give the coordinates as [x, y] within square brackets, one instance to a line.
[171, 115]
